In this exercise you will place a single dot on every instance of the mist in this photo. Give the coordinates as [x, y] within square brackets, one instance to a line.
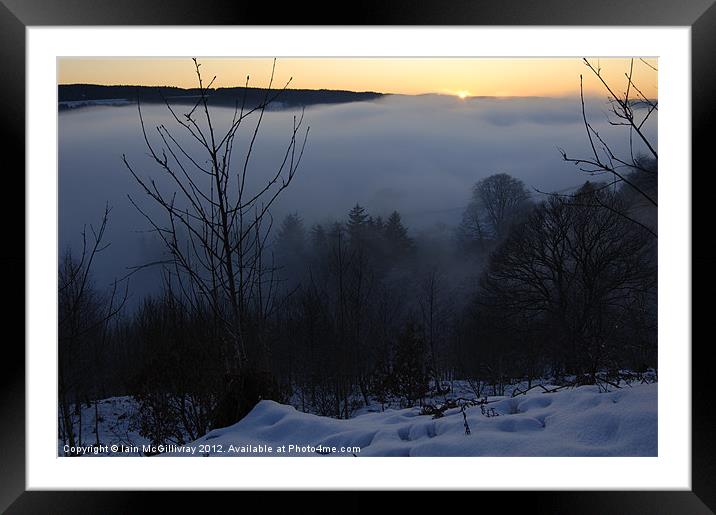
[419, 155]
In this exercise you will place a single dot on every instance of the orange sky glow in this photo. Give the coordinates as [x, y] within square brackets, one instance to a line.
[456, 76]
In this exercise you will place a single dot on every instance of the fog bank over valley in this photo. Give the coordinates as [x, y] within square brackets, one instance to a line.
[419, 155]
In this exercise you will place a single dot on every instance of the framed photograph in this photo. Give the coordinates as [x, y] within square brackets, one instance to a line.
[432, 240]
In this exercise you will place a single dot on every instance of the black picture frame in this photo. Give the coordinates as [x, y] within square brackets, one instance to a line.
[16, 15]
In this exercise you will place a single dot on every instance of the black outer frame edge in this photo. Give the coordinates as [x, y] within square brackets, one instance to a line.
[12, 258]
[537, 502]
[699, 13]
[360, 12]
[703, 417]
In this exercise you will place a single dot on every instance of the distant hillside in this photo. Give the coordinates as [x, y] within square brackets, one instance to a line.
[77, 95]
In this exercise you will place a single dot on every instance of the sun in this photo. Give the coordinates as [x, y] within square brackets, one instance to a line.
[463, 94]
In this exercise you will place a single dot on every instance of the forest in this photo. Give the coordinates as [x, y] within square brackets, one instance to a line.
[68, 93]
[335, 315]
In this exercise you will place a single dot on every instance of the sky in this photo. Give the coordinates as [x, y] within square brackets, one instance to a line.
[553, 77]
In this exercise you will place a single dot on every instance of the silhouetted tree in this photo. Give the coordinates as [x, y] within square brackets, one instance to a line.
[215, 229]
[572, 270]
[290, 250]
[84, 314]
[358, 225]
[410, 376]
[291, 236]
[632, 110]
[497, 202]
[396, 235]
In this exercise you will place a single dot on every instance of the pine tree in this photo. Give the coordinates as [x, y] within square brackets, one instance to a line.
[358, 223]
[379, 225]
[318, 237]
[291, 236]
[289, 248]
[397, 235]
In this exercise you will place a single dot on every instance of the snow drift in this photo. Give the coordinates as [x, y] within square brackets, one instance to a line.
[578, 422]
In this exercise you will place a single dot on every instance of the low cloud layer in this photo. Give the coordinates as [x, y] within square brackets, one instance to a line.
[418, 155]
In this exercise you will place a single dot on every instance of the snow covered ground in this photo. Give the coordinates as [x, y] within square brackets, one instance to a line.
[583, 421]
[116, 424]
[574, 422]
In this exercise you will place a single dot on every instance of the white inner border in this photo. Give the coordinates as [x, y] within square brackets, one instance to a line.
[672, 468]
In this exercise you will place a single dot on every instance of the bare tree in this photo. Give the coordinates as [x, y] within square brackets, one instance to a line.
[435, 320]
[216, 227]
[573, 270]
[497, 202]
[84, 313]
[631, 109]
